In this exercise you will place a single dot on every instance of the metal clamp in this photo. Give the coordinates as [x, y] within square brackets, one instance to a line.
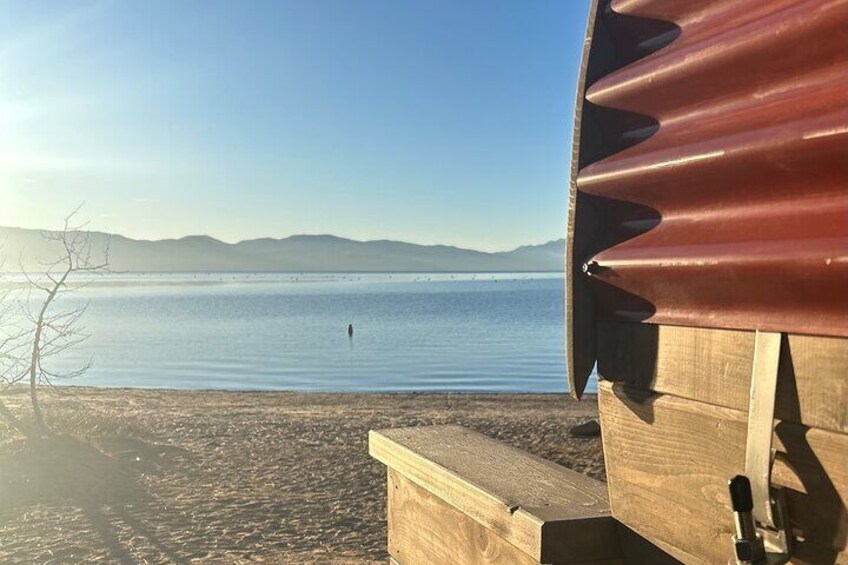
[762, 523]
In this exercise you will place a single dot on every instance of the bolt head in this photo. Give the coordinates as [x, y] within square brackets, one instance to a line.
[590, 267]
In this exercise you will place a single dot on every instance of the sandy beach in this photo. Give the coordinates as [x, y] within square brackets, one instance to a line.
[154, 476]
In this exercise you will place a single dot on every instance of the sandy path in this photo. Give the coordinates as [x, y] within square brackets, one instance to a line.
[182, 477]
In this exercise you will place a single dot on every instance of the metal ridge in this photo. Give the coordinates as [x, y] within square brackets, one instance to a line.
[710, 180]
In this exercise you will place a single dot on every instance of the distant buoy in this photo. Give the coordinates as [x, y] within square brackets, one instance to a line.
[350, 330]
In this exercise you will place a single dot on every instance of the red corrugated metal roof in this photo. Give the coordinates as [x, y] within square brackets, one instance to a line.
[710, 185]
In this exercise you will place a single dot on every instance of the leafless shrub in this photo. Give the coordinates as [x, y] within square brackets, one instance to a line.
[41, 331]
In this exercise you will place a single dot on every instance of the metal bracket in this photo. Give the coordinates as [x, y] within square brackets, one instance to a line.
[769, 504]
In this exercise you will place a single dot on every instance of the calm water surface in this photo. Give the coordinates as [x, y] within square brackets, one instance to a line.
[460, 332]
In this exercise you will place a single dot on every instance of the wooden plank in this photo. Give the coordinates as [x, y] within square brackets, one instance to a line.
[547, 511]
[658, 519]
[714, 366]
[668, 460]
[425, 530]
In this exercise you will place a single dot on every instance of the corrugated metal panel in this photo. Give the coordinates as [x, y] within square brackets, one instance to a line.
[710, 185]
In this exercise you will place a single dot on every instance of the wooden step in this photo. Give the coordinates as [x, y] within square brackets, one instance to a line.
[456, 494]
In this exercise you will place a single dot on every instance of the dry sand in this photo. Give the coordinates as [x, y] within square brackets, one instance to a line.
[147, 476]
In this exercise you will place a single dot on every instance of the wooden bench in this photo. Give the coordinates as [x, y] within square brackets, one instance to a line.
[456, 496]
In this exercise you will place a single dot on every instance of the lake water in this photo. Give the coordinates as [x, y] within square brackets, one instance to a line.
[413, 332]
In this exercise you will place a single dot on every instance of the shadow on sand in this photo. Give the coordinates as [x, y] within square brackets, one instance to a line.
[104, 484]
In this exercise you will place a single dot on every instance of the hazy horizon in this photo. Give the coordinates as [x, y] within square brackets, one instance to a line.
[292, 235]
[28, 250]
[436, 123]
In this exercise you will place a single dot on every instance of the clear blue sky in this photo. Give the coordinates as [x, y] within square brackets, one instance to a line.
[428, 121]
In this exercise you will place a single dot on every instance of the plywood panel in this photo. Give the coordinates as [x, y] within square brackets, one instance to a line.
[668, 460]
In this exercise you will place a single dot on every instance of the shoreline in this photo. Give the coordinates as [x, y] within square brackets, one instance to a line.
[81, 389]
[21, 389]
[188, 476]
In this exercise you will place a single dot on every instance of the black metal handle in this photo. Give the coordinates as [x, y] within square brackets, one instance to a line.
[740, 494]
[747, 544]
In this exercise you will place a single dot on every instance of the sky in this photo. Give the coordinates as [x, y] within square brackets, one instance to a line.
[430, 121]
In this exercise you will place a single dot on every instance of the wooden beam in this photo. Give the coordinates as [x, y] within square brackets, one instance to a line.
[550, 513]
[714, 366]
[668, 460]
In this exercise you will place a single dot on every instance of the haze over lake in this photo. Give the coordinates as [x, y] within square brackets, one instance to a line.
[247, 331]
[32, 249]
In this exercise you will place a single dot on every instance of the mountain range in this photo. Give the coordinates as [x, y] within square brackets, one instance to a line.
[29, 249]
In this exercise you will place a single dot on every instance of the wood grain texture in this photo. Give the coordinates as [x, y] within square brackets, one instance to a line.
[714, 366]
[668, 460]
[425, 530]
[549, 512]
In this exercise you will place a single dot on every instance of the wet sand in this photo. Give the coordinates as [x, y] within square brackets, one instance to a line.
[153, 476]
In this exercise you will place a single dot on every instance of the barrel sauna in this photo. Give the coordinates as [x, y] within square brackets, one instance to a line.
[707, 284]
[708, 261]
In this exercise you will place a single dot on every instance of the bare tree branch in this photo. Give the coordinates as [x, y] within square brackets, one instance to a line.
[48, 332]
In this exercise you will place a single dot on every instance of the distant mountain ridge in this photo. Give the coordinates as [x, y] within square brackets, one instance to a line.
[297, 253]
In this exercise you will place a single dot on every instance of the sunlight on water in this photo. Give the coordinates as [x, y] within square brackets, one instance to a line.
[257, 331]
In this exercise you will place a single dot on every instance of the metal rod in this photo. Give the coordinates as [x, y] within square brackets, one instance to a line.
[748, 544]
